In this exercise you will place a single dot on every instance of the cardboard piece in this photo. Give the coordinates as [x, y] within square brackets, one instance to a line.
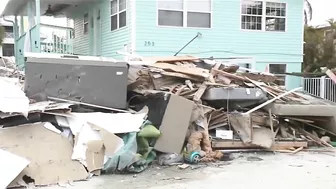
[174, 125]
[48, 152]
[11, 166]
[263, 137]
[112, 143]
[13, 99]
[95, 155]
[92, 144]
[114, 122]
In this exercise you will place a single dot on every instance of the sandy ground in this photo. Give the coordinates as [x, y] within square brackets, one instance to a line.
[252, 170]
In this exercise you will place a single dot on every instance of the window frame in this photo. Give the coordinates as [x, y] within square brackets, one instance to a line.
[283, 75]
[86, 23]
[185, 15]
[264, 16]
[118, 15]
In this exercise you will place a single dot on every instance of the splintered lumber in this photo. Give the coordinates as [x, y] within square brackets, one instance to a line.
[200, 92]
[200, 72]
[230, 75]
[331, 75]
[272, 100]
[314, 138]
[181, 75]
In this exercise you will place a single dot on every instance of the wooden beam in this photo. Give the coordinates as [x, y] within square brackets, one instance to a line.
[232, 144]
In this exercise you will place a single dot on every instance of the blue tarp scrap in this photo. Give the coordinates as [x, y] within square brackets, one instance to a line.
[137, 153]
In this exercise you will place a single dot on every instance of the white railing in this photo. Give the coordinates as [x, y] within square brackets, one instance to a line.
[322, 87]
[9, 35]
[56, 39]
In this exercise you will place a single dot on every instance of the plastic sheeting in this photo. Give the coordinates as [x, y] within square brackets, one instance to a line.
[137, 153]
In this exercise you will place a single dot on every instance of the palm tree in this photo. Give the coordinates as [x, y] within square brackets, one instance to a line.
[308, 12]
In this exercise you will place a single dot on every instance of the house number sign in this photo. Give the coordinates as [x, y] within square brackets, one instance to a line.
[149, 43]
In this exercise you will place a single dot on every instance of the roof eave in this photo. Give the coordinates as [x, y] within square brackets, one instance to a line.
[13, 8]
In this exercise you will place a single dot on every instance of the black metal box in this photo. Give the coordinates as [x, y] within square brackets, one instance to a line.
[85, 79]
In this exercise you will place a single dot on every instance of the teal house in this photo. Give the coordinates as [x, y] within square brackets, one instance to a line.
[269, 32]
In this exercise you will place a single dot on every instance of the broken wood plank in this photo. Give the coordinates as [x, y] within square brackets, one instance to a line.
[272, 100]
[198, 95]
[160, 81]
[331, 75]
[217, 65]
[188, 92]
[317, 127]
[226, 74]
[182, 75]
[212, 127]
[294, 94]
[270, 119]
[255, 83]
[299, 119]
[313, 137]
[223, 79]
[297, 150]
[260, 77]
[200, 72]
[229, 144]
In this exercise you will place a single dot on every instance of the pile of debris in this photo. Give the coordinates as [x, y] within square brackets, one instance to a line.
[80, 121]
[62, 137]
[237, 107]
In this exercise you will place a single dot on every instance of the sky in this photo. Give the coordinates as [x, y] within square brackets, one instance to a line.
[322, 10]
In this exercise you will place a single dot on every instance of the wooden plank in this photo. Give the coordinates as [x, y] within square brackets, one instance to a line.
[160, 81]
[200, 92]
[200, 72]
[181, 75]
[315, 138]
[230, 75]
[272, 100]
[231, 144]
[331, 75]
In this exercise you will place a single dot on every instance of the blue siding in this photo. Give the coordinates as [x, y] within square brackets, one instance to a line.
[81, 41]
[225, 38]
[111, 41]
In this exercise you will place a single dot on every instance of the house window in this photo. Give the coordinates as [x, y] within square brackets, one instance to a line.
[263, 15]
[86, 23]
[279, 71]
[275, 16]
[8, 49]
[251, 18]
[118, 14]
[184, 13]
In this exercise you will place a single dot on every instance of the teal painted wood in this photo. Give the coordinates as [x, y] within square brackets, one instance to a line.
[81, 44]
[225, 38]
[19, 56]
[111, 41]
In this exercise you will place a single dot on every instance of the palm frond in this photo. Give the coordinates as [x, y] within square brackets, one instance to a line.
[308, 11]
